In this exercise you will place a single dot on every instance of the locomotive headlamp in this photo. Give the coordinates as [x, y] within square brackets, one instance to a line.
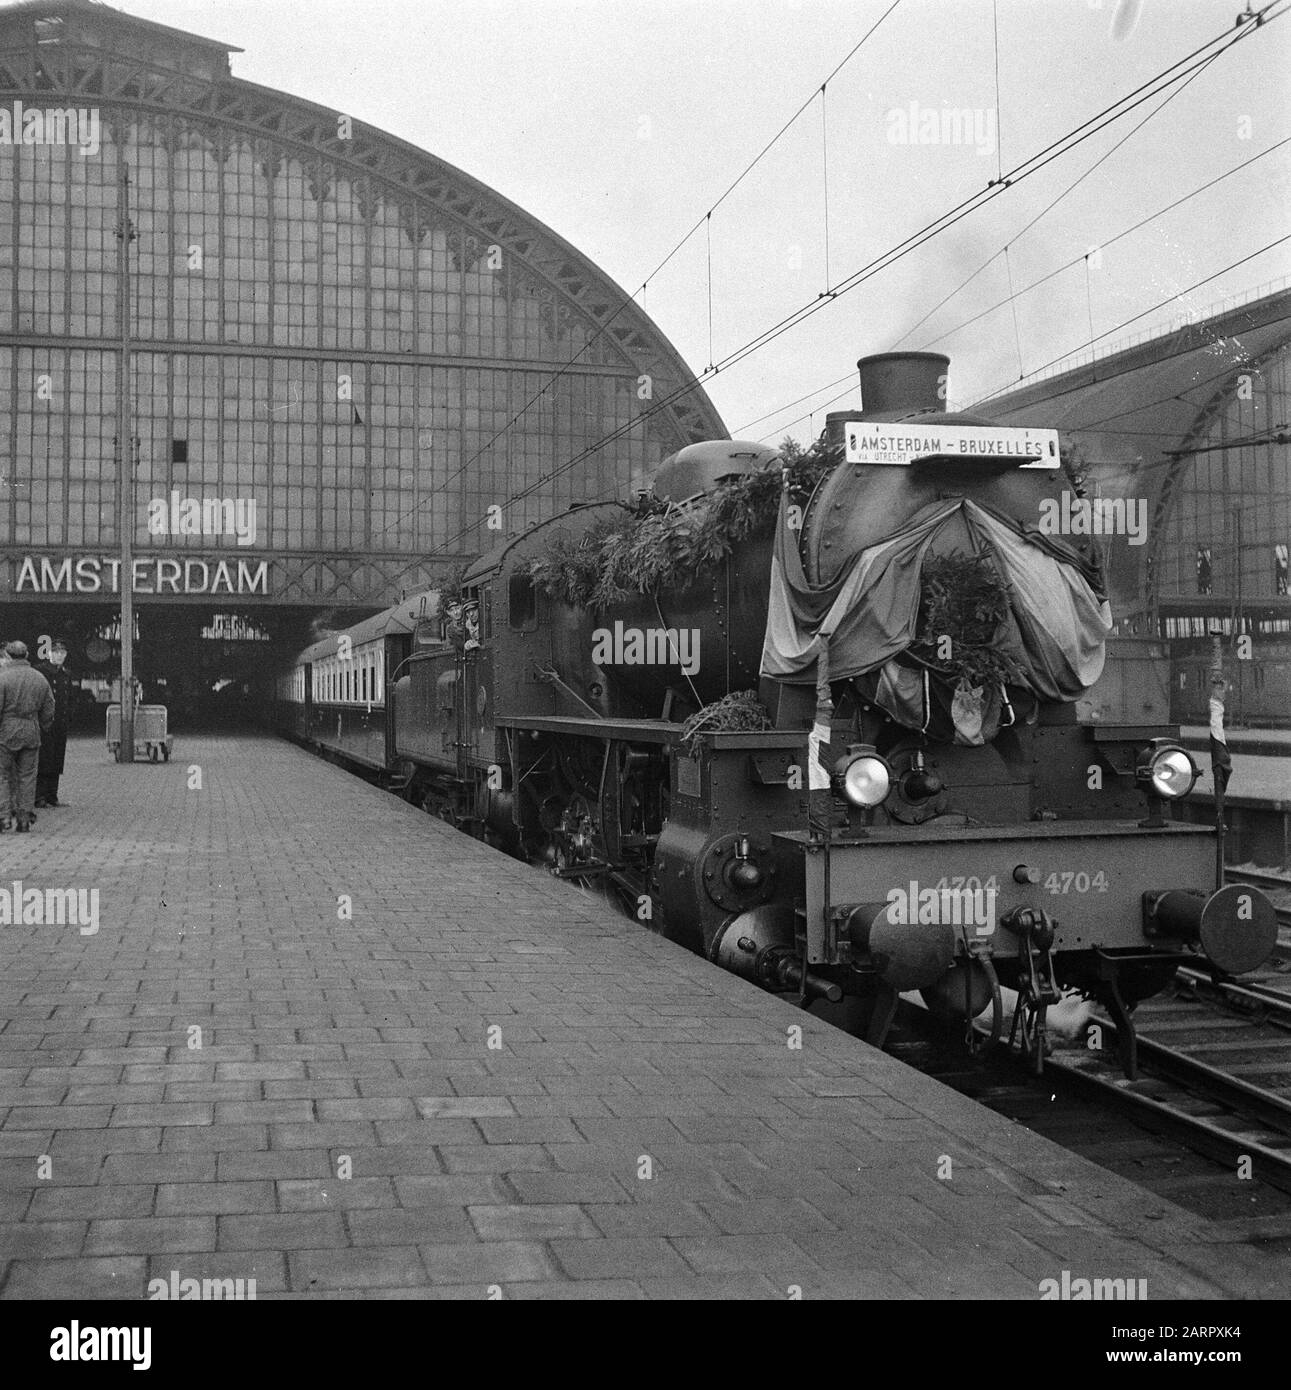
[1164, 769]
[918, 784]
[864, 778]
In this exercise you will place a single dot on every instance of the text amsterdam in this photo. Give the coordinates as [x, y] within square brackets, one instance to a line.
[93, 574]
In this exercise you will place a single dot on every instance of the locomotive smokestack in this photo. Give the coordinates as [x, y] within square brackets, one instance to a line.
[903, 382]
[894, 385]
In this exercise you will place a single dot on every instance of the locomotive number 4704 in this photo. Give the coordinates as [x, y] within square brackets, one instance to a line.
[1068, 881]
[1080, 882]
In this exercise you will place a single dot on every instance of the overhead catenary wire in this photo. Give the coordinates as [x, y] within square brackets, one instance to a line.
[1089, 297]
[1049, 207]
[853, 385]
[1117, 110]
[1110, 241]
[1152, 309]
[971, 204]
[626, 300]
[999, 109]
[1160, 82]
[1206, 384]
[1134, 318]
[708, 222]
[902, 249]
[789, 405]
[824, 164]
[1151, 217]
[1017, 331]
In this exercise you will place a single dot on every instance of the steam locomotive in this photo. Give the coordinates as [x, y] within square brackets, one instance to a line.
[834, 746]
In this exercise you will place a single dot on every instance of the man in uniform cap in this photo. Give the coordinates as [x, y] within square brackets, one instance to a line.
[26, 708]
[53, 741]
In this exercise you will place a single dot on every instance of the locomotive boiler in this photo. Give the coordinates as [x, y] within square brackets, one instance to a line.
[817, 718]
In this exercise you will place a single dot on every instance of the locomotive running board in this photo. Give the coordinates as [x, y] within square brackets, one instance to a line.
[633, 730]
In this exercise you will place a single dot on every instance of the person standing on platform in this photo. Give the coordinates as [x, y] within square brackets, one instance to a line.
[53, 741]
[26, 709]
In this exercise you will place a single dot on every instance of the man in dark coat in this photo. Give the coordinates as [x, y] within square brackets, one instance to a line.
[26, 707]
[53, 741]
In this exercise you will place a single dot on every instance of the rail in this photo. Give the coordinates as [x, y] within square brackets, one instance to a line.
[1215, 1113]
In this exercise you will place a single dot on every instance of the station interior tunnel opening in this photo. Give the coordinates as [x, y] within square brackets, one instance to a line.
[212, 667]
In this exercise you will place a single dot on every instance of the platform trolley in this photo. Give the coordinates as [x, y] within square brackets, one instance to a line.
[151, 741]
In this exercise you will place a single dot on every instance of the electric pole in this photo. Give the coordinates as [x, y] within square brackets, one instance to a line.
[125, 234]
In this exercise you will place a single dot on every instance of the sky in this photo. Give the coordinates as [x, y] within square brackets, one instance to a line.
[620, 125]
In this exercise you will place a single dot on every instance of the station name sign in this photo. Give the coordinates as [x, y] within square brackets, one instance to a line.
[903, 442]
[100, 574]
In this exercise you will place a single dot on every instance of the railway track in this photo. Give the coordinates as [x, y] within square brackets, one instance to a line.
[1206, 1124]
[1142, 1131]
[1258, 878]
[1244, 1127]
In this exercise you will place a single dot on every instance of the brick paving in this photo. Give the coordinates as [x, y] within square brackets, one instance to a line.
[480, 1083]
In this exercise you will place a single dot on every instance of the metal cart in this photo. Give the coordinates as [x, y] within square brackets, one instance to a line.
[151, 740]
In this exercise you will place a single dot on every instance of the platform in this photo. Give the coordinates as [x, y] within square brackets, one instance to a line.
[1258, 799]
[1264, 743]
[530, 1094]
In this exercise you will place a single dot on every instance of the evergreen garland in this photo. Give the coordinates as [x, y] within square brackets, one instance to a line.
[741, 710]
[664, 547]
[963, 598]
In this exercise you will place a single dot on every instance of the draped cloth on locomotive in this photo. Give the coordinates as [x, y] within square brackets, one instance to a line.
[868, 611]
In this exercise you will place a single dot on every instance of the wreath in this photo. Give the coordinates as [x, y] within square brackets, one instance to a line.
[963, 604]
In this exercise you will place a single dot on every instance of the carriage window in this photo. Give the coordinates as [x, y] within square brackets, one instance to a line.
[522, 602]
